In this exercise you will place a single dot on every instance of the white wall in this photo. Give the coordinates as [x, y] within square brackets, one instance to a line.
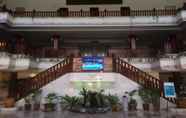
[183, 62]
[4, 62]
[55, 4]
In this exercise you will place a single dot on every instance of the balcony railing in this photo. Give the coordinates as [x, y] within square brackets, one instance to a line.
[104, 13]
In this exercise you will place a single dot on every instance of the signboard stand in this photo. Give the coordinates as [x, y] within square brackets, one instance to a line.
[167, 109]
[169, 92]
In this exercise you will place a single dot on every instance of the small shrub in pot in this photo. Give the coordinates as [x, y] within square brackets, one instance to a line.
[132, 105]
[145, 95]
[50, 104]
[28, 105]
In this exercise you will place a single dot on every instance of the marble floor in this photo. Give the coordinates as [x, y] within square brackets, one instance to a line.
[66, 114]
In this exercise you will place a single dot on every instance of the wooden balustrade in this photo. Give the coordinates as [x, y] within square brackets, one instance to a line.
[25, 87]
[79, 13]
[139, 76]
[104, 13]
[154, 12]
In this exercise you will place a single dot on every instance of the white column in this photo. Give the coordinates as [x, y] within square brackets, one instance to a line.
[55, 41]
[132, 39]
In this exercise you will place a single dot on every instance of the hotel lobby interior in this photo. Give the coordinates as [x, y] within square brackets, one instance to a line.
[92, 59]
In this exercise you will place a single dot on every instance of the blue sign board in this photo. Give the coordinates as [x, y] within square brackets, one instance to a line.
[169, 90]
[92, 63]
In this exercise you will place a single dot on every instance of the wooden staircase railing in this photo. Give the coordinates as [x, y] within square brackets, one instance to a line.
[139, 76]
[25, 87]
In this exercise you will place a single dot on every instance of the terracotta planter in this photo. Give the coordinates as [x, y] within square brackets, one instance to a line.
[146, 107]
[115, 108]
[36, 107]
[9, 102]
[48, 107]
[28, 107]
[132, 107]
[181, 103]
[156, 107]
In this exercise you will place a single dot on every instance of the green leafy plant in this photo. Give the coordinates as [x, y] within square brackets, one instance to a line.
[132, 102]
[145, 95]
[69, 102]
[89, 101]
[84, 93]
[51, 98]
[113, 100]
[28, 105]
[97, 99]
[101, 99]
[131, 95]
[28, 99]
[155, 98]
[155, 95]
[92, 100]
[36, 96]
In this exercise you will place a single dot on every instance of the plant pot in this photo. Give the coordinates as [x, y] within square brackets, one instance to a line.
[82, 110]
[9, 102]
[146, 107]
[156, 107]
[115, 108]
[36, 106]
[48, 107]
[28, 107]
[132, 107]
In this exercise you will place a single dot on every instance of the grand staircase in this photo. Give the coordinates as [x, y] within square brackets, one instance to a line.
[144, 79]
[25, 87]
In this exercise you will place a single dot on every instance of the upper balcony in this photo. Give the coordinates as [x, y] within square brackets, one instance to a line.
[125, 17]
[95, 12]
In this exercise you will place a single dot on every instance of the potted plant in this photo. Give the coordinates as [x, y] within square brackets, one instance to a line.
[155, 96]
[51, 100]
[132, 105]
[145, 95]
[36, 97]
[113, 101]
[28, 105]
[68, 102]
[9, 102]
[97, 102]
[84, 94]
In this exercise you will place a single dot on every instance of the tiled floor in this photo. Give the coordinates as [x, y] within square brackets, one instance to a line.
[66, 114]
